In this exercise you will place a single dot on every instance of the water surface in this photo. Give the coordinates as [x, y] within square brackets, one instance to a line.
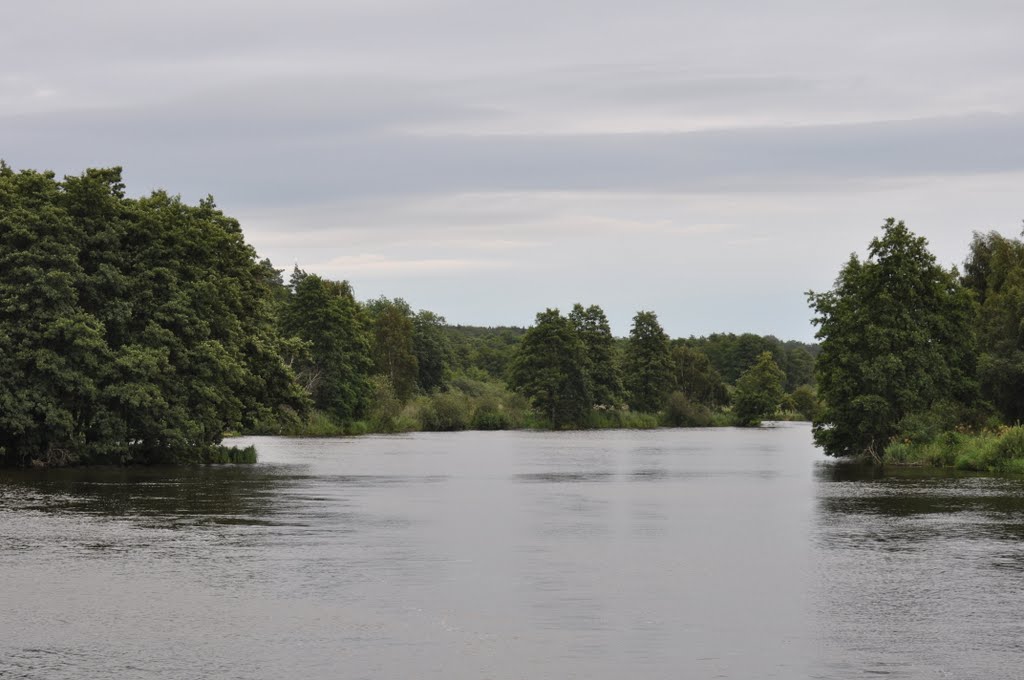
[661, 554]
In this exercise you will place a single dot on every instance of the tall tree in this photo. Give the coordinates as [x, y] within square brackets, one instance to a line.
[758, 390]
[432, 348]
[896, 338]
[131, 329]
[994, 270]
[696, 378]
[391, 322]
[592, 327]
[648, 364]
[550, 368]
[325, 316]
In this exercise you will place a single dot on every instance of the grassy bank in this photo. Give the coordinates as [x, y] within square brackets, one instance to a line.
[494, 408]
[1000, 450]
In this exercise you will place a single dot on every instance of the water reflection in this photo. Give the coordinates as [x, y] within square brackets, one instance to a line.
[918, 571]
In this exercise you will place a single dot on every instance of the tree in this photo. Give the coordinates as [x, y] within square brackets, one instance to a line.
[896, 339]
[130, 330]
[550, 368]
[391, 322]
[592, 327]
[994, 270]
[758, 391]
[696, 378]
[432, 348]
[805, 401]
[648, 364]
[334, 362]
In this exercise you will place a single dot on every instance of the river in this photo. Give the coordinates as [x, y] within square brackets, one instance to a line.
[717, 553]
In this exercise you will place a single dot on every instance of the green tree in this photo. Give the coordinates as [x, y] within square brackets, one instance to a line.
[333, 358]
[896, 338]
[805, 401]
[550, 368]
[592, 327]
[994, 270]
[433, 350]
[391, 322]
[648, 364]
[131, 329]
[696, 378]
[758, 391]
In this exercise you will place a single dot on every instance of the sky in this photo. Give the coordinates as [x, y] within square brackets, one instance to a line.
[709, 161]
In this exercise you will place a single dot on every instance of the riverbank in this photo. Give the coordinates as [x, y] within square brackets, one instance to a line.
[1000, 450]
[446, 416]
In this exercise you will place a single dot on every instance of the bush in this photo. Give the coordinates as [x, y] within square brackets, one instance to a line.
[385, 406]
[490, 414]
[681, 412]
[446, 412]
[1010, 445]
[922, 427]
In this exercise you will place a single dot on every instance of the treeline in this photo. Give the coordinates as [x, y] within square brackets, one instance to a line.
[380, 366]
[143, 330]
[922, 364]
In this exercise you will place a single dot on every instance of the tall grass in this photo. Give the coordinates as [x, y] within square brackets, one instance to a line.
[1000, 450]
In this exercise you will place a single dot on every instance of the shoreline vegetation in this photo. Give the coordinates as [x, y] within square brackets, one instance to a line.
[922, 366]
[996, 451]
[136, 331]
[142, 330]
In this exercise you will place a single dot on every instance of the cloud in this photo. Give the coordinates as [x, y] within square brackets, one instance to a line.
[709, 160]
[368, 266]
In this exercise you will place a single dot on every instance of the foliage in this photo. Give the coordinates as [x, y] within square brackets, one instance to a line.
[433, 350]
[696, 378]
[804, 400]
[336, 365]
[130, 329]
[994, 270]
[731, 355]
[758, 391]
[681, 412]
[648, 364]
[490, 350]
[391, 324]
[385, 406]
[550, 368]
[445, 412]
[999, 450]
[623, 420]
[896, 334]
[591, 325]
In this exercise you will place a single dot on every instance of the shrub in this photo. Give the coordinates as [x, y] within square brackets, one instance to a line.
[681, 412]
[446, 412]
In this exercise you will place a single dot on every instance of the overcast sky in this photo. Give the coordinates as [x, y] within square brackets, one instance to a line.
[710, 161]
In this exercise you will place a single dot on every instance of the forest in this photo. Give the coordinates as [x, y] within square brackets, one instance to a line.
[147, 330]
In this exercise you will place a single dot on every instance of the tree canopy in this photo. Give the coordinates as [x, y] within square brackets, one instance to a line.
[758, 390]
[130, 329]
[550, 368]
[591, 325]
[648, 364]
[994, 270]
[335, 368]
[896, 339]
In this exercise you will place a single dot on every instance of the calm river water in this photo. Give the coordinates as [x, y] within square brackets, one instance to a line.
[663, 554]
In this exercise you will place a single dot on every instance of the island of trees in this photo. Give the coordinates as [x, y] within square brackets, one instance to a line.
[146, 330]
